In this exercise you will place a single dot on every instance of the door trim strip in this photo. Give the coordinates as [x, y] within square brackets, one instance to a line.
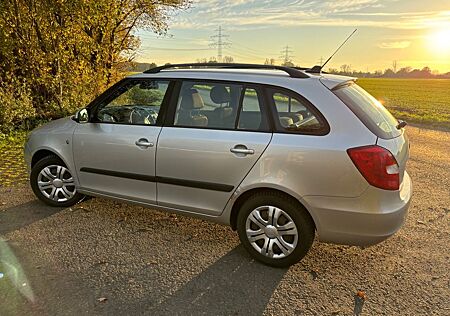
[173, 181]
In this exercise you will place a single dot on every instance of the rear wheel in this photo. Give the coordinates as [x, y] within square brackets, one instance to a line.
[53, 183]
[274, 229]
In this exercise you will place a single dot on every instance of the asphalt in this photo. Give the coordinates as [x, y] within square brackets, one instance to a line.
[102, 257]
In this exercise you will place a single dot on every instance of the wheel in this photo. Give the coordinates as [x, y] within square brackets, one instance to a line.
[53, 183]
[274, 229]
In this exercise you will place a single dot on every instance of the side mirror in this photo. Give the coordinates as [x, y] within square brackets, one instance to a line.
[82, 116]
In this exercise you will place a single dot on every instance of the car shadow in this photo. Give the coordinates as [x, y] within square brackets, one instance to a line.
[233, 285]
[25, 214]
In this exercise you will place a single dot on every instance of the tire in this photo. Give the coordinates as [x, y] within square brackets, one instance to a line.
[289, 237]
[53, 184]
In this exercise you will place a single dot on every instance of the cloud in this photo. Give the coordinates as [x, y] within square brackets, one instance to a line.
[395, 45]
[255, 14]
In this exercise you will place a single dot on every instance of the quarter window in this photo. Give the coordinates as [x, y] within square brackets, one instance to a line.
[137, 102]
[294, 114]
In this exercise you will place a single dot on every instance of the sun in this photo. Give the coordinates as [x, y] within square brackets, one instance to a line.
[440, 40]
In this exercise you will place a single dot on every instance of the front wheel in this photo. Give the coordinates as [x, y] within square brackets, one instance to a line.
[274, 229]
[53, 183]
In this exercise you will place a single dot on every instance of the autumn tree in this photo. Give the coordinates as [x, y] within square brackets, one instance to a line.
[58, 54]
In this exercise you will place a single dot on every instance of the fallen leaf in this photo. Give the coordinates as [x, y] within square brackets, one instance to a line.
[361, 294]
[314, 274]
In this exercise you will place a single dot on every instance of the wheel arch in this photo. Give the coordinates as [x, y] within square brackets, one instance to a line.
[42, 153]
[245, 195]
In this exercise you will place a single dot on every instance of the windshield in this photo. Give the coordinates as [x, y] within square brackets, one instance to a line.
[369, 110]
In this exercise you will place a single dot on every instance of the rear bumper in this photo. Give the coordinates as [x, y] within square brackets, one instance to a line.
[363, 221]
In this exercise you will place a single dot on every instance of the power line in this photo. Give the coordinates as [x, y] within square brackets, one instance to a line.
[286, 55]
[219, 42]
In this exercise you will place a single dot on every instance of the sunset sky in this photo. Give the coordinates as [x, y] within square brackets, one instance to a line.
[414, 32]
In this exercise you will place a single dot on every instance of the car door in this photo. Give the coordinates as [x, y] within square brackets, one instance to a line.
[114, 152]
[216, 133]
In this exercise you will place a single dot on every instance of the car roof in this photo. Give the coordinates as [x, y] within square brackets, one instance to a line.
[247, 75]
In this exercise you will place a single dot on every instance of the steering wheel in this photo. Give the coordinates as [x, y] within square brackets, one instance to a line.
[140, 115]
[108, 117]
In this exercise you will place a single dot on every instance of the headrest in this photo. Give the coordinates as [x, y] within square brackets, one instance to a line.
[219, 95]
[286, 121]
[191, 99]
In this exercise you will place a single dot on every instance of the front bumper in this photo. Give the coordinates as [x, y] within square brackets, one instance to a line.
[362, 221]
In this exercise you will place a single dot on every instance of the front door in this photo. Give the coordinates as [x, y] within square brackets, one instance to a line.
[218, 132]
[115, 152]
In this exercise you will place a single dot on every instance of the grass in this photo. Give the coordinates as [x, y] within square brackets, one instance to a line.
[421, 101]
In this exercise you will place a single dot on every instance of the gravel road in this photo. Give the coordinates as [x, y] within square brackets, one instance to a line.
[104, 257]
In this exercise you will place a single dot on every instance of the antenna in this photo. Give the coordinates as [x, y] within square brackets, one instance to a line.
[319, 68]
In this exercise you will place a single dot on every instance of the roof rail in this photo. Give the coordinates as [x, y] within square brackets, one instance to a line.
[292, 72]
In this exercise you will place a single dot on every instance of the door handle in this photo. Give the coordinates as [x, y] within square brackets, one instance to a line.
[242, 150]
[144, 143]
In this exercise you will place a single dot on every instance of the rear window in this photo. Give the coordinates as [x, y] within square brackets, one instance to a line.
[369, 110]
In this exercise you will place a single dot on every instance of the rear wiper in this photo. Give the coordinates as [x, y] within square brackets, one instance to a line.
[401, 124]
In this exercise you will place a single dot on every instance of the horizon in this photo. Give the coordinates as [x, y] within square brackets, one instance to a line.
[410, 33]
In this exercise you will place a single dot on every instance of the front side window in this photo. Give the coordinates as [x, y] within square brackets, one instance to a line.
[219, 106]
[293, 114]
[137, 102]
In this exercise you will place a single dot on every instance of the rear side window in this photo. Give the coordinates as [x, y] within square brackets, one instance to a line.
[220, 105]
[369, 110]
[295, 114]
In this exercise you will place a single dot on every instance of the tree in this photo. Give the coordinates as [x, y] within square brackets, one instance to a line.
[389, 73]
[346, 69]
[270, 61]
[288, 63]
[66, 52]
[228, 59]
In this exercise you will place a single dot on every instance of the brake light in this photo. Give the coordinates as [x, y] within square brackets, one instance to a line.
[377, 165]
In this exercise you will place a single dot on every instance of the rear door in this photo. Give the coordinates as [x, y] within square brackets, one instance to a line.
[216, 134]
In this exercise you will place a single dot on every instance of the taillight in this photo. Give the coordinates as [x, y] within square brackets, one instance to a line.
[377, 165]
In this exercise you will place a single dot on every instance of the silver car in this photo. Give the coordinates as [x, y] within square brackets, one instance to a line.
[277, 153]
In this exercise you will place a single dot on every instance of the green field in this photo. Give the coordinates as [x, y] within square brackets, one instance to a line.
[421, 101]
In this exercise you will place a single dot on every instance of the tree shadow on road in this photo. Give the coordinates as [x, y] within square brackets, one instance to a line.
[233, 285]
